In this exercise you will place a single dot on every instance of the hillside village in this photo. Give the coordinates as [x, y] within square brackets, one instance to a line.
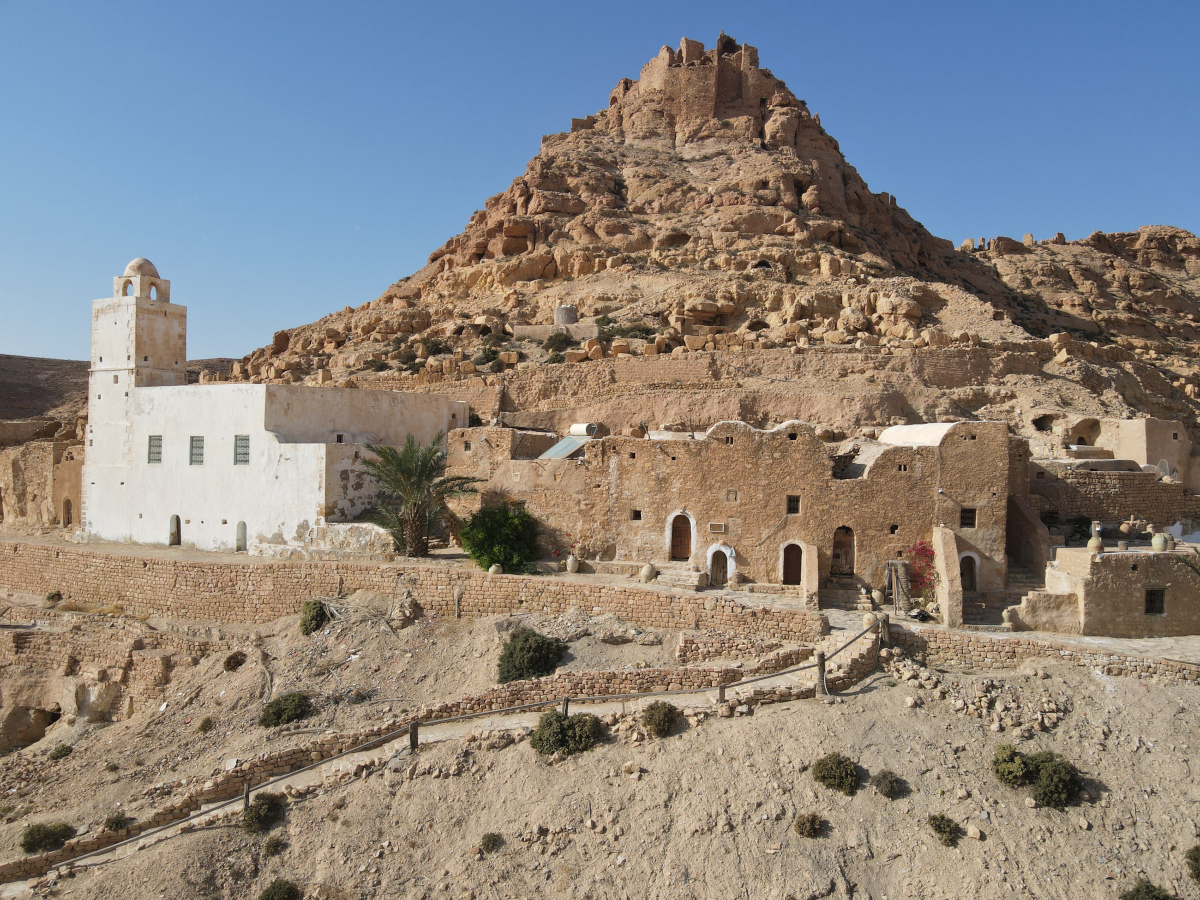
[823, 481]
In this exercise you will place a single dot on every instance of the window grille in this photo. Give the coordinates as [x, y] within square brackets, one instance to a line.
[241, 449]
[793, 505]
[1156, 601]
[196, 451]
[966, 518]
[154, 450]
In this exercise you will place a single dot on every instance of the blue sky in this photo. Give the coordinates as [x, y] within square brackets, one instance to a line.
[278, 162]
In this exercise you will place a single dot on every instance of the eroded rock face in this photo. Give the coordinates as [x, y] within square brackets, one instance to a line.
[707, 209]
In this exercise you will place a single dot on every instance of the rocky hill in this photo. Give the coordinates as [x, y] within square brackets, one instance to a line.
[706, 209]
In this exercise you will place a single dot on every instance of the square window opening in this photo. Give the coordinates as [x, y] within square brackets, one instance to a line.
[793, 505]
[636, 515]
[633, 456]
[792, 436]
[467, 446]
[729, 440]
[903, 467]
[892, 529]
[966, 518]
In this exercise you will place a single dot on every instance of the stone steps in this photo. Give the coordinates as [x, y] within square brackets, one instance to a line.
[848, 600]
[681, 575]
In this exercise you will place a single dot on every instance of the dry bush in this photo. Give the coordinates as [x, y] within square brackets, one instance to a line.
[945, 828]
[809, 825]
[836, 772]
[660, 718]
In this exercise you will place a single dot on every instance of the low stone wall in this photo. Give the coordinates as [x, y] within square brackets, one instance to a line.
[1113, 496]
[697, 647]
[948, 648]
[256, 591]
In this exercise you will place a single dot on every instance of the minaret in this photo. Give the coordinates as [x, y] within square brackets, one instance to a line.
[139, 339]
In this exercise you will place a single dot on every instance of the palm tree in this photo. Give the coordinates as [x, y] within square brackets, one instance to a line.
[413, 481]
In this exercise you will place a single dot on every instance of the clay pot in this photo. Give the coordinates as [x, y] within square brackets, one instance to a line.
[572, 564]
[495, 569]
[648, 573]
[877, 596]
[1158, 543]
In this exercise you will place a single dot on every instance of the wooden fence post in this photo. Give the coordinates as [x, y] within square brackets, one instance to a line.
[413, 736]
[566, 704]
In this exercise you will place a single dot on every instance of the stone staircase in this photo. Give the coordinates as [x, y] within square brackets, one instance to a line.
[984, 612]
[847, 599]
[681, 576]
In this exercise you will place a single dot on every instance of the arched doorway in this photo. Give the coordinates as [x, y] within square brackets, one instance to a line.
[842, 564]
[681, 537]
[66, 516]
[176, 538]
[968, 574]
[793, 564]
[719, 573]
[240, 546]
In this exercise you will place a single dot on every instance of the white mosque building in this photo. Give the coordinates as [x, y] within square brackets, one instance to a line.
[242, 467]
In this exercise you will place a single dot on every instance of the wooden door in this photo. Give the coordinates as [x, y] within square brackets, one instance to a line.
[793, 564]
[720, 568]
[681, 538]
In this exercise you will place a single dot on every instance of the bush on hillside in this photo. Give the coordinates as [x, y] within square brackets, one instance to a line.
[1145, 890]
[809, 825]
[1055, 780]
[62, 751]
[264, 811]
[556, 733]
[491, 842]
[274, 845]
[285, 708]
[504, 535]
[206, 725]
[528, 654]
[312, 616]
[660, 718]
[945, 828]
[116, 821]
[889, 784]
[280, 889]
[836, 772]
[559, 341]
[46, 836]
[1193, 863]
[235, 661]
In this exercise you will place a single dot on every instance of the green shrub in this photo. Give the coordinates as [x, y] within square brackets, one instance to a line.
[312, 616]
[285, 708]
[116, 821]
[485, 357]
[235, 661]
[1193, 863]
[889, 784]
[376, 365]
[555, 358]
[556, 733]
[1145, 890]
[559, 341]
[264, 811]
[528, 654]
[274, 845]
[809, 825]
[206, 725]
[836, 772]
[280, 889]
[407, 360]
[660, 718]
[1010, 766]
[54, 596]
[603, 320]
[46, 836]
[945, 828]
[62, 751]
[491, 842]
[1057, 781]
[504, 534]
[111, 767]
[473, 420]
[435, 346]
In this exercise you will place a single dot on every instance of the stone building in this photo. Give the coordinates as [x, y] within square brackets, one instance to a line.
[768, 506]
[222, 466]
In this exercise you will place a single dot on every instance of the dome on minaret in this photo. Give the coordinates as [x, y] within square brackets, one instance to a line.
[142, 266]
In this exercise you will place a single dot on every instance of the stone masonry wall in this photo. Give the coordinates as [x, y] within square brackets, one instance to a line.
[946, 648]
[1113, 496]
[255, 591]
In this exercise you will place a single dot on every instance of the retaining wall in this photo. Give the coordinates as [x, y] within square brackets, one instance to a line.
[256, 591]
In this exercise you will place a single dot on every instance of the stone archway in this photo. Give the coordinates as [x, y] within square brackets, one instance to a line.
[968, 573]
[842, 564]
[719, 569]
[793, 564]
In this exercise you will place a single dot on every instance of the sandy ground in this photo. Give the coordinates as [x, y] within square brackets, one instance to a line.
[710, 817]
